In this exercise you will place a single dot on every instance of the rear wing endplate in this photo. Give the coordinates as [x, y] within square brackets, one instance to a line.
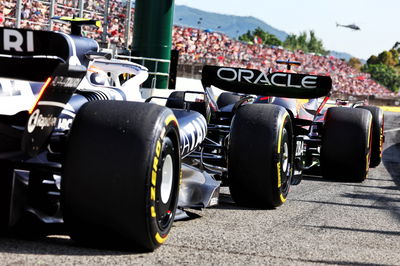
[57, 60]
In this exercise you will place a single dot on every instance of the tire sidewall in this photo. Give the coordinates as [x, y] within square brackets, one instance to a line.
[377, 134]
[158, 233]
[255, 171]
[284, 178]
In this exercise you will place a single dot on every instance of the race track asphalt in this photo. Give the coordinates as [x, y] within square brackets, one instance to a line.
[321, 223]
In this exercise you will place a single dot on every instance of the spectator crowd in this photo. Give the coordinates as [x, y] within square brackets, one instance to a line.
[207, 47]
[35, 14]
[196, 46]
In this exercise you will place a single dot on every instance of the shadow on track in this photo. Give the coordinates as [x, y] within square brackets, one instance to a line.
[226, 203]
[381, 232]
[54, 245]
[391, 161]
[397, 209]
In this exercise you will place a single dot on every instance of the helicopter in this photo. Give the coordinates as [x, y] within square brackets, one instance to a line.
[350, 26]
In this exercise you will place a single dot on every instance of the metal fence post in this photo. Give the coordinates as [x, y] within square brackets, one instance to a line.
[52, 11]
[18, 8]
[128, 22]
[80, 6]
[105, 24]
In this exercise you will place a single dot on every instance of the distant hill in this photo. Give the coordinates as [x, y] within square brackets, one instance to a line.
[341, 55]
[231, 25]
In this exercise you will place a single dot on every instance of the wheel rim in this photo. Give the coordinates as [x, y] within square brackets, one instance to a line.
[285, 162]
[167, 179]
[285, 157]
[167, 188]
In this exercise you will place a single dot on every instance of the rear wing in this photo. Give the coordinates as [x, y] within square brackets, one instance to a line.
[56, 59]
[279, 84]
[34, 55]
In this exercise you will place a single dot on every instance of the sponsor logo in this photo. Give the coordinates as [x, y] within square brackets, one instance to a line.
[262, 78]
[67, 82]
[193, 134]
[14, 40]
[40, 121]
[64, 123]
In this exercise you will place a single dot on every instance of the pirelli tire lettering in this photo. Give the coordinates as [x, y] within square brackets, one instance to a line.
[132, 155]
[381, 139]
[164, 192]
[260, 155]
[284, 167]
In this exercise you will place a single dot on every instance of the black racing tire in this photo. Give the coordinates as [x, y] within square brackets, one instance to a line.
[6, 183]
[121, 175]
[377, 134]
[346, 144]
[260, 155]
[227, 98]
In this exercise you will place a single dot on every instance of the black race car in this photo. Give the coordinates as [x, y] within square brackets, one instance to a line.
[87, 158]
[261, 145]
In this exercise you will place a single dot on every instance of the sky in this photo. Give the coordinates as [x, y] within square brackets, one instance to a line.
[379, 20]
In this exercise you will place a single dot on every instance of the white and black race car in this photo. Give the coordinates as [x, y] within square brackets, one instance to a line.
[83, 154]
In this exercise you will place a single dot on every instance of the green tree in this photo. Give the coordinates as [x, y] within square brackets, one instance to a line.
[385, 75]
[290, 42]
[386, 58]
[395, 56]
[308, 44]
[373, 60]
[247, 37]
[266, 38]
[355, 63]
[273, 40]
[389, 58]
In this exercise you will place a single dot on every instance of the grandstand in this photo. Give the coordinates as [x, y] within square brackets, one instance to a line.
[35, 14]
[197, 47]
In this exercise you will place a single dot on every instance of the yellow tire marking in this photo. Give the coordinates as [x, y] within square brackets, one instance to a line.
[169, 119]
[369, 148]
[153, 177]
[381, 142]
[283, 199]
[153, 211]
[158, 148]
[152, 193]
[278, 165]
[160, 239]
[369, 132]
[155, 163]
[381, 137]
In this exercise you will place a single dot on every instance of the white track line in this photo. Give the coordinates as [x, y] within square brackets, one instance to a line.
[393, 129]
